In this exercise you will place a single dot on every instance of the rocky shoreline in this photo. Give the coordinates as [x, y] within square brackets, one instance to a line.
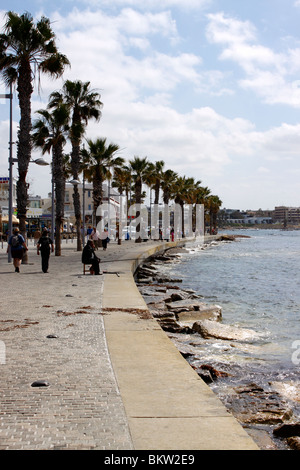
[191, 323]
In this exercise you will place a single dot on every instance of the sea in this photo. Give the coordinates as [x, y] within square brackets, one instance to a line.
[256, 281]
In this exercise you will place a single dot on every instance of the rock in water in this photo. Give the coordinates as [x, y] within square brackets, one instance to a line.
[213, 329]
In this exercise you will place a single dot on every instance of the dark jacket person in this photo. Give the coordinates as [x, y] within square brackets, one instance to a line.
[45, 246]
[89, 257]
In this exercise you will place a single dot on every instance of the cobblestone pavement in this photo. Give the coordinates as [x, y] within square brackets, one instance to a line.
[77, 404]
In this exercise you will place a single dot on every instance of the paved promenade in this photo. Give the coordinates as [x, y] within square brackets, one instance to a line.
[108, 377]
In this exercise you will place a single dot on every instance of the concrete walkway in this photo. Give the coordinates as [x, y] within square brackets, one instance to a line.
[108, 377]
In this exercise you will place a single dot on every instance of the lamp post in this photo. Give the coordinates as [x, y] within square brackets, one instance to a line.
[76, 182]
[10, 161]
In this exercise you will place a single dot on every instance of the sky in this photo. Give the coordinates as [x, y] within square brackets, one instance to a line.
[211, 87]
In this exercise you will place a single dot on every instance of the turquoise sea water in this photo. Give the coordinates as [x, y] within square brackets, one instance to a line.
[256, 281]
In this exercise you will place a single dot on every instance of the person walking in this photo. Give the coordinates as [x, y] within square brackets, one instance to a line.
[17, 245]
[104, 239]
[36, 236]
[45, 245]
[95, 236]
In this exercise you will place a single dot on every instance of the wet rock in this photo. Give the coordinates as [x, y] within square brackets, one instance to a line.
[287, 430]
[254, 405]
[214, 329]
[205, 375]
[144, 273]
[192, 304]
[249, 388]
[209, 373]
[201, 311]
[213, 371]
[161, 289]
[294, 443]
[154, 305]
[167, 279]
[180, 295]
[150, 291]
[168, 322]
[146, 280]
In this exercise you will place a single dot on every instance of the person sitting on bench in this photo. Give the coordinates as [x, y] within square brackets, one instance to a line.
[89, 257]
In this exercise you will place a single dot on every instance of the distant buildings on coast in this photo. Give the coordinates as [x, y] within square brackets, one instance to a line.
[282, 215]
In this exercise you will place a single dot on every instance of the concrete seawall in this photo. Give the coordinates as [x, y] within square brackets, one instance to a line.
[167, 404]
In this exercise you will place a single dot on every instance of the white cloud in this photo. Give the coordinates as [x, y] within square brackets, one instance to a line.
[223, 29]
[151, 4]
[273, 76]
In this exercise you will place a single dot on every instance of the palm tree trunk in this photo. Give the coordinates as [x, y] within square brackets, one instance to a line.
[75, 163]
[59, 178]
[138, 196]
[97, 197]
[182, 219]
[25, 90]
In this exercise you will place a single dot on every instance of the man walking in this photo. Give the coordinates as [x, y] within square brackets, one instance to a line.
[45, 245]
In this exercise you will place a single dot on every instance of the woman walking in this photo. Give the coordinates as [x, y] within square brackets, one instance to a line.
[17, 245]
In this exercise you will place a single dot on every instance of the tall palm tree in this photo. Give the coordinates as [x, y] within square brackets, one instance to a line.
[158, 168]
[198, 195]
[84, 104]
[213, 204]
[122, 182]
[99, 159]
[168, 182]
[139, 171]
[49, 134]
[26, 50]
[183, 187]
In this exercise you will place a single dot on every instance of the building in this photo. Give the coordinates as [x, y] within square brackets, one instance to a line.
[4, 205]
[4, 194]
[109, 195]
[287, 215]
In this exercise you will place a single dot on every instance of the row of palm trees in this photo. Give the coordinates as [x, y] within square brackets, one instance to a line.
[65, 120]
[167, 185]
[27, 50]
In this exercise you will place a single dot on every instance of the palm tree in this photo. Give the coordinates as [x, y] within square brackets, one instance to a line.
[122, 182]
[84, 104]
[49, 133]
[139, 171]
[26, 50]
[99, 159]
[213, 204]
[168, 181]
[158, 176]
[182, 189]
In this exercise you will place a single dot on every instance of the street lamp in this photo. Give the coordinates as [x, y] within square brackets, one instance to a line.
[40, 161]
[10, 160]
[75, 183]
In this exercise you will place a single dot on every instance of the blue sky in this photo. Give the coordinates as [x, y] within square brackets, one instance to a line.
[212, 87]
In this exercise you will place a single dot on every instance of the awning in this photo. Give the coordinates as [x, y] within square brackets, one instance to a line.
[14, 219]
